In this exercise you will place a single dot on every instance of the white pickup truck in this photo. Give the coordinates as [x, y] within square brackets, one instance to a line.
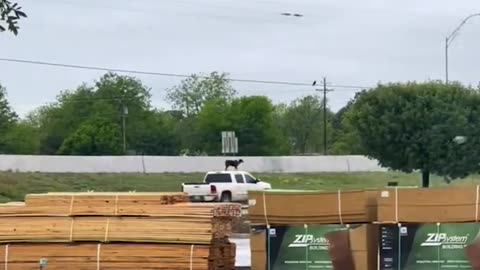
[224, 186]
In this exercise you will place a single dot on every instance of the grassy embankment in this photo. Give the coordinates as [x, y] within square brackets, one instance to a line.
[14, 186]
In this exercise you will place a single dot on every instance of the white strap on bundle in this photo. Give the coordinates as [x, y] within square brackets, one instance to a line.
[396, 204]
[6, 257]
[265, 209]
[191, 257]
[106, 230]
[72, 222]
[116, 205]
[71, 205]
[339, 202]
[476, 203]
[99, 248]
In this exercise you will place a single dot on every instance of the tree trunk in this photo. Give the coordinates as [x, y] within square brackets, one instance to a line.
[425, 179]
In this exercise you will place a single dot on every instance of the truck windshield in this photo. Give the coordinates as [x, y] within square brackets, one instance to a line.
[218, 178]
[250, 179]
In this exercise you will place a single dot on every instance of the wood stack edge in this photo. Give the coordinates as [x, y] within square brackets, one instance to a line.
[116, 231]
[365, 210]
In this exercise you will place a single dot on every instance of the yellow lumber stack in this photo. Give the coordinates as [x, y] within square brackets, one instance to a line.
[305, 207]
[293, 211]
[93, 204]
[429, 205]
[116, 231]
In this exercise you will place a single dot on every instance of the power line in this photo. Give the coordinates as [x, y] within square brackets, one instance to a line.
[32, 62]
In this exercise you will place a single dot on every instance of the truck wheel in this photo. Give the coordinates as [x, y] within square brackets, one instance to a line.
[226, 197]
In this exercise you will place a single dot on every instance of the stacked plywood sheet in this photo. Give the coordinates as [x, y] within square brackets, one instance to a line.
[432, 205]
[310, 214]
[258, 249]
[356, 246]
[117, 231]
[303, 207]
[363, 241]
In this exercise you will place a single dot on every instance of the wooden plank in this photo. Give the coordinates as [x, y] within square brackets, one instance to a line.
[116, 231]
[116, 204]
[117, 256]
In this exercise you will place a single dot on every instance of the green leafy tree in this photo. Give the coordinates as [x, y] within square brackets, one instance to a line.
[346, 140]
[188, 135]
[211, 121]
[158, 137]
[253, 120]
[414, 126]
[119, 96]
[10, 13]
[97, 136]
[8, 118]
[58, 120]
[7, 115]
[192, 93]
[114, 98]
[22, 139]
[285, 142]
[306, 116]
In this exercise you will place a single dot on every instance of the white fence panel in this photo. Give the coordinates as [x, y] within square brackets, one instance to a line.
[75, 164]
[161, 164]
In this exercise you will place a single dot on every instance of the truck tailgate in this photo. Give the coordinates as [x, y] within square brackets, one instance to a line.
[196, 189]
[199, 192]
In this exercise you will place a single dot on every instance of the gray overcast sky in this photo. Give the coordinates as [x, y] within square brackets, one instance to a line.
[351, 42]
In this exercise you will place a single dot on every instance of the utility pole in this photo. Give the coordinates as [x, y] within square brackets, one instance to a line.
[325, 90]
[446, 60]
[124, 127]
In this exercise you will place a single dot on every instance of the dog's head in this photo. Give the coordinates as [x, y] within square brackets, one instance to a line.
[240, 161]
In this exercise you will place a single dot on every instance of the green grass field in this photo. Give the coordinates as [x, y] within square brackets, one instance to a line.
[14, 186]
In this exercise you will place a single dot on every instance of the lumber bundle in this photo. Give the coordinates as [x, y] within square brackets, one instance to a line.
[118, 256]
[432, 205]
[113, 229]
[116, 204]
[117, 231]
[258, 250]
[363, 242]
[306, 207]
[93, 203]
[359, 244]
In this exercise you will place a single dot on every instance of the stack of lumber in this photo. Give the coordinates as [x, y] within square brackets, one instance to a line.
[432, 205]
[113, 229]
[299, 208]
[92, 204]
[258, 249]
[363, 242]
[117, 231]
[306, 207]
[129, 256]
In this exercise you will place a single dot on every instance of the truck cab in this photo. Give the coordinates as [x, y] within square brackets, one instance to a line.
[224, 186]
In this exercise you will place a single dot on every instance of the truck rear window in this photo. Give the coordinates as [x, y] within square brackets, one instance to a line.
[218, 178]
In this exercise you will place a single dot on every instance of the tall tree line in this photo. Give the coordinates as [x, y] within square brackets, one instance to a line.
[430, 127]
[89, 120]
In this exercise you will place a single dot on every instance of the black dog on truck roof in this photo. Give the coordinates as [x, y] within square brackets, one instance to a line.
[232, 163]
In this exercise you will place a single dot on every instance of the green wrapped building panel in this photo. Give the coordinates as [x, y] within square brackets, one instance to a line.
[429, 246]
[299, 247]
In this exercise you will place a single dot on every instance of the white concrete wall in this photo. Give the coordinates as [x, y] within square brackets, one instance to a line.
[161, 164]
